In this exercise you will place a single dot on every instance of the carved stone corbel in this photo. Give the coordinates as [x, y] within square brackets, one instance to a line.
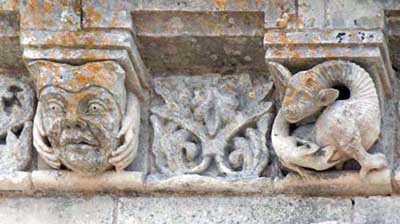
[85, 119]
[335, 109]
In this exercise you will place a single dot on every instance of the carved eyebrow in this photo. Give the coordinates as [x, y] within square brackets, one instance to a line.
[56, 96]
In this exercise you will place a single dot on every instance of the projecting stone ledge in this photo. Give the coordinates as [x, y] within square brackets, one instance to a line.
[342, 183]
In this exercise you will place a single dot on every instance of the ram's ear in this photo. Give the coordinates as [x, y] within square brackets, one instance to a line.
[280, 76]
[327, 97]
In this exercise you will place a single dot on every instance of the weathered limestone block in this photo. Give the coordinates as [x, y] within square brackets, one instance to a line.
[336, 111]
[356, 13]
[50, 15]
[62, 210]
[250, 209]
[376, 210]
[211, 119]
[85, 112]
[16, 114]
[114, 14]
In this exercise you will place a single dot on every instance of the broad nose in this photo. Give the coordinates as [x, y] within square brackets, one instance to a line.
[73, 122]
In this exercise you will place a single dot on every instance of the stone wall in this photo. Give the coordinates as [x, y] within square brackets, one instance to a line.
[202, 111]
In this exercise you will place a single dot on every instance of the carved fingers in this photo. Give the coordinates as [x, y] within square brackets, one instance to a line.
[126, 153]
[46, 152]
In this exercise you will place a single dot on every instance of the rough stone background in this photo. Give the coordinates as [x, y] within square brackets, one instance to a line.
[110, 209]
[184, 41]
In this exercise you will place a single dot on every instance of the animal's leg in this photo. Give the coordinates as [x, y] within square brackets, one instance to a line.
[303, 173]
[350, 143]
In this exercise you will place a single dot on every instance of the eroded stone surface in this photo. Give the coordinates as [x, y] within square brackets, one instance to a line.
[233, 210]
[83, 111]
[344, 124]
[50, 15]
[16, 115]
[71, 210]
[376, 210]
[211, 118]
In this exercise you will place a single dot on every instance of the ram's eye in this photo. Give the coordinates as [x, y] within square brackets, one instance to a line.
[95, 108]
[55, 107]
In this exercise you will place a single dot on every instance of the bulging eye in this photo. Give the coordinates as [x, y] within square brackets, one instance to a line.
[55, 107]
[95, 108]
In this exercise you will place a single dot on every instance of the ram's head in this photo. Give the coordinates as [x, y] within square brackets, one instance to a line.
[302, 94]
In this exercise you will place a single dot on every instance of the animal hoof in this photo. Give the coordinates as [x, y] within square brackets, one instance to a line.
[375, 162]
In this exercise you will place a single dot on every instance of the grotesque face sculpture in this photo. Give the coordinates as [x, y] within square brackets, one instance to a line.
[80, 112]
[82, 126]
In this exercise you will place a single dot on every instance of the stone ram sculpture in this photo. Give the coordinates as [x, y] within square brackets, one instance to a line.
[345, 127]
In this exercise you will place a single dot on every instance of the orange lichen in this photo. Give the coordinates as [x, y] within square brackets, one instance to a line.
[295, 55]
[327, 32]
[315, 39]
[47, 6]
[269, 38]
[310, 81]
[92, 15]
[300, 22]
[330, 55]
[221, 4]
[278, 53]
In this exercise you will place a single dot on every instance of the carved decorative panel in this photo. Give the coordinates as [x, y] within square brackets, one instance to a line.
[212, 123]
[16, 115]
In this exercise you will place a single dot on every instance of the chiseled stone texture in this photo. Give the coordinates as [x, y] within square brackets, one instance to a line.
[107, 209]
[233, 210]
[383, 210]
[60, 210]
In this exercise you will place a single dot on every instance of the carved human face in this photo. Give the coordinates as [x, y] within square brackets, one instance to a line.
[82, 126]
[305, 96]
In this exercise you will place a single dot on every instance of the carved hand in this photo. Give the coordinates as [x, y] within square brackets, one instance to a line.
[126, 153]
[46, 152]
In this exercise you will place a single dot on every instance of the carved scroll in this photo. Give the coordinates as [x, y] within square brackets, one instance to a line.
[211, 119]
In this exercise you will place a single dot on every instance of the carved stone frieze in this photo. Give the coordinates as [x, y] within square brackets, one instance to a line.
[335, 109]
[86, 115]
[16, 114]
[211, 119]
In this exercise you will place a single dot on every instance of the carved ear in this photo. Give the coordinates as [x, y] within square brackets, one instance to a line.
[280, 76]
[327, 96]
